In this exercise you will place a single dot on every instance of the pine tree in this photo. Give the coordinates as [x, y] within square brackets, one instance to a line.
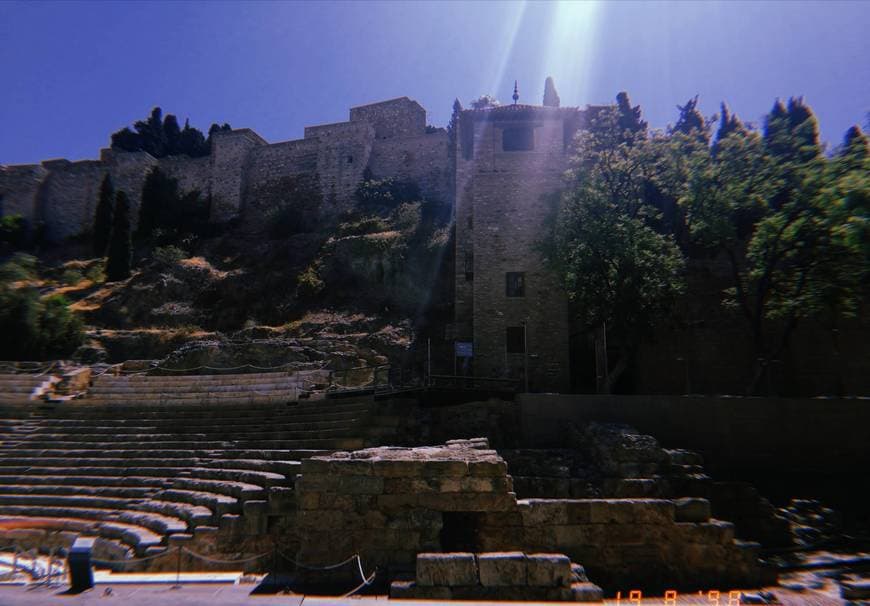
[728, 123]
[629, 117]
[855, 144]
[120, 247]
[551, 97]
[192, 142]
[691, 121]
[103, 217]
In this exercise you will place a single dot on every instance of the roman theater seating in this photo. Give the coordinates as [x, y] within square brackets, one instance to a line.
[139, 458]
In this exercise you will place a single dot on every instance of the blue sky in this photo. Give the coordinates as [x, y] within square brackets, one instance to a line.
[75, 72]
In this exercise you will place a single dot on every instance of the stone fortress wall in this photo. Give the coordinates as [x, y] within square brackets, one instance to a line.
[243, 170]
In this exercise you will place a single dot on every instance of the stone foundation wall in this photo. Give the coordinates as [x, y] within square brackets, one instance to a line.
[388, 504]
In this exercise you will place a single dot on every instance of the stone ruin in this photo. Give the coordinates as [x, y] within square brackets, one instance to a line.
[390, 504]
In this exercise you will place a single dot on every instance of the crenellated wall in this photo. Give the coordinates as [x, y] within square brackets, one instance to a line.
[244, 175]
[18, 187]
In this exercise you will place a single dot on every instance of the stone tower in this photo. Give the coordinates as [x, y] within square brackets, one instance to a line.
[509, 161]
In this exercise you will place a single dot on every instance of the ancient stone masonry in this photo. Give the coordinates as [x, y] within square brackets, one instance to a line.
[509, 160]
[388, 504]
[244, 172]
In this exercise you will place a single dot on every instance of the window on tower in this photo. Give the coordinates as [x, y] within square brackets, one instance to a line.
[515, 284]
[518, 139]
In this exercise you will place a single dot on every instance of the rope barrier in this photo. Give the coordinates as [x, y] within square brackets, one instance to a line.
[132, 560]
[219, 561]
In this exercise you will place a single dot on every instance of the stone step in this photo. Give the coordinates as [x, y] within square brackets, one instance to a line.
[77, 413]
[181, 378]
[122, 492]
[130, 486]
[159, 382]
[219, 504]
[348, 443]
[112, 453]
[85, 480]
[45, 440]
[194, 515]
[198, 427]
[156, 523]
[286, 468]
[137, 537]
[261, 478]
[236, 399]
[242, 491]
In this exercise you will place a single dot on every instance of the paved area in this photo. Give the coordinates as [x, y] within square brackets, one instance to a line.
[224, 594]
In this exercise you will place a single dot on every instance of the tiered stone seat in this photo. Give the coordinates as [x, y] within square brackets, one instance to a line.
[260, 388]
[21, 388]
[135, 469]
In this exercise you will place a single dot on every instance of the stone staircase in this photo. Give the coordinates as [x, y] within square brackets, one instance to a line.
[139, 459]
[23, 388]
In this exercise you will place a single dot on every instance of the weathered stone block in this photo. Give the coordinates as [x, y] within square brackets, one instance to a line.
[446, 569]
[586, 592]
[502, 569]
[691, 510]
[308, 500]
[487, 468]
[231, 523]
[452, 469]
[627, 511]
[360, 485]
[548, 570]
[397, 468]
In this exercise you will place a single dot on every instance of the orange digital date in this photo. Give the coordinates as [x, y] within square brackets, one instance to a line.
[715, 597]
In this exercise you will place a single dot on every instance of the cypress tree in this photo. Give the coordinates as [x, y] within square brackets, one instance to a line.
[172, 135]
[551, 97]
[629, 117]
[729, 123]
[103, 217]
[691, 121]
[120, 246]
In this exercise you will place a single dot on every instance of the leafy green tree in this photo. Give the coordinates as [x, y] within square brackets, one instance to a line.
[165, 212]
[783, 218]
[120, 254]
[103, 217]
[618, 271]
[161, 137]
[192, 142]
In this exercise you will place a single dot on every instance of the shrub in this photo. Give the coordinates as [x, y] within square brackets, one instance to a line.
[407, 217]
[308, 283]
[366, 225]
[34, 328]
[71, 277]
[96, 273]
[168, 255]
[384, 195]
[13, 232]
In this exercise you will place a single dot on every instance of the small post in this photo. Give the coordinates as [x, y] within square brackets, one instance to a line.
[177, 568]
[428, 361]
[526, 356]
[81, 573]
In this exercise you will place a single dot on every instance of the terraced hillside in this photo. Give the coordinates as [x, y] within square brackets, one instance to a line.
[139, 459]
